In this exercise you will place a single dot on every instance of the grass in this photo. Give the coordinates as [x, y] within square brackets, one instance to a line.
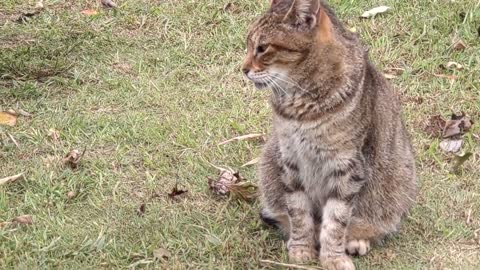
[151, 89]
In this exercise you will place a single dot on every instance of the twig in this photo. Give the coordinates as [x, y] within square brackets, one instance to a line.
[13, 140]
[9, 179]
[244, 137]
[251, 162]
[295, 266]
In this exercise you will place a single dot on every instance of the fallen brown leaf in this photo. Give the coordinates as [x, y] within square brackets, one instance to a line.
[161, 254]
[176, 192]
[24, 219]
[230, 183]
[73, 158]
[11, 179]
[7, 119]
[459, 45]
[244, 137]
[457, 125]
[89, 12]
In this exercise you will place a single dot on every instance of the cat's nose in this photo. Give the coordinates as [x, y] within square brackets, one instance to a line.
[245, 71]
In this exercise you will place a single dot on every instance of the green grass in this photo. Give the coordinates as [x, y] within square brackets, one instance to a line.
[151, 89]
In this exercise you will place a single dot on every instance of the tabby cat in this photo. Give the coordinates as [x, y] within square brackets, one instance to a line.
[337, 172]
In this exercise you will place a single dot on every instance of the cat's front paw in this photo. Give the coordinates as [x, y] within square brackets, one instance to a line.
[358, 247]
[301, 254]
[338, 263]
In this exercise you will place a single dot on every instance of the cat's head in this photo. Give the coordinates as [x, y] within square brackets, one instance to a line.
[290, 42]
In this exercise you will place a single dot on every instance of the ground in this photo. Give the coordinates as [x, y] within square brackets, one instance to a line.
[151, 88]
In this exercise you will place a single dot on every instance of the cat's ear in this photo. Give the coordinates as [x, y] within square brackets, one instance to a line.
[303, 13]
[325, 26]
[280, 6]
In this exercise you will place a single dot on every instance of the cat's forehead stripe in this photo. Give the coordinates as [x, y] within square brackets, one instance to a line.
[256, 34]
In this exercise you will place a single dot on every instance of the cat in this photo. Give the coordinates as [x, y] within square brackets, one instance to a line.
[337, 173]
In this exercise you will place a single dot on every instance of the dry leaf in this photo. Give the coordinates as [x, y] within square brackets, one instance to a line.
[24, 219]
[457, 125]
[374, 11]
[230, 183]
[7, 119]
[109, 4]
[73, 158]
[11, 179]
[452, 128]
[89, 12]
[251, 162]
[141, 210]
[161, 254]
[451, 145]
[71, 194]
[459, 45]
[435, 126]
[53, 134]
[454, 65]
[176, 192]
[459, 160]
[244, 137]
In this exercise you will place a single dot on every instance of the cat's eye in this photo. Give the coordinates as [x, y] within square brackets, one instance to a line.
[261, 49]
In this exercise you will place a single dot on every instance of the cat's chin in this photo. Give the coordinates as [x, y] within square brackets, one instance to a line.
[261, 86]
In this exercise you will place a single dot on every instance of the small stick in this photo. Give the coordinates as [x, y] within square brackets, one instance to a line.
[10, 178]
[295, 266]
[13, 140]
[244, 137]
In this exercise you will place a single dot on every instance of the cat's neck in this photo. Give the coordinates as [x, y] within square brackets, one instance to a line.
[314, 99]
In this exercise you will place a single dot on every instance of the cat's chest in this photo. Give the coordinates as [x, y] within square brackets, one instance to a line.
[306, 147]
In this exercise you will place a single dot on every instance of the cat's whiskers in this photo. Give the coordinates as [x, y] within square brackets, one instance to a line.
[278, 85]
[286, 79]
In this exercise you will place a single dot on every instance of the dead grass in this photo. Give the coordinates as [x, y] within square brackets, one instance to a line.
[152, 88]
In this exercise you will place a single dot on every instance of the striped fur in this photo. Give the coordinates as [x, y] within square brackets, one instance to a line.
[338, 169]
